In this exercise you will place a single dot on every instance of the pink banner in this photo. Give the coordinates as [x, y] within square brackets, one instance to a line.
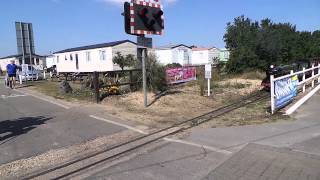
[180, 75]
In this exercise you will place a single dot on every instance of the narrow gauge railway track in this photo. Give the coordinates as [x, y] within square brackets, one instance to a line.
[65, 170]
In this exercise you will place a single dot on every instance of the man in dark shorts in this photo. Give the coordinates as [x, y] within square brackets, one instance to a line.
[12, 72]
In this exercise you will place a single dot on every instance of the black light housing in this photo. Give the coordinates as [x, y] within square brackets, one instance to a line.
[143, 18]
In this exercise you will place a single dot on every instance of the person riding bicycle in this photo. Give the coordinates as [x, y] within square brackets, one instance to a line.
[12, 72]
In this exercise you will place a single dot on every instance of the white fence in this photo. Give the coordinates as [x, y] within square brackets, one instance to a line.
[33, 76]
[314, 73]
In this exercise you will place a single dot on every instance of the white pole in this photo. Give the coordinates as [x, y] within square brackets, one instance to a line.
[209, 87]
[25, 76]
[20, 79]
[303, 79]
[318, 72]
[312, 75]
[32, 73]
[44, 74]
[272, 94]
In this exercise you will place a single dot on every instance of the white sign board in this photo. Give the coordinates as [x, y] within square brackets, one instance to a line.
[24, 69]
[208, 71]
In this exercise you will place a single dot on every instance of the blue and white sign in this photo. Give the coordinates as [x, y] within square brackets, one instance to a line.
[285, 91]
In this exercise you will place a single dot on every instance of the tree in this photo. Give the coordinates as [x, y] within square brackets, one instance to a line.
[127, 61]
[215, 60]
[241, 40]
[255, 45]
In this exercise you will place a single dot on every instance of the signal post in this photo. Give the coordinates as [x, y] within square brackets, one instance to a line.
[143, 18]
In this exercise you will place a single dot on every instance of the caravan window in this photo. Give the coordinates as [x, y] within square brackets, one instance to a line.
[186, 57]
[102, 55]
[88, 58]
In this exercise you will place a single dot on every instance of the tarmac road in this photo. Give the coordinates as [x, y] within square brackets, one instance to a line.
[30, 126]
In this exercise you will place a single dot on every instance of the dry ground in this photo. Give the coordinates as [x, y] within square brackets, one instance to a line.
[180, 103]
[184, 102]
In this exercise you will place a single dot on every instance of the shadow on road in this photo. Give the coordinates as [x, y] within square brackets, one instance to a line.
[10, 129]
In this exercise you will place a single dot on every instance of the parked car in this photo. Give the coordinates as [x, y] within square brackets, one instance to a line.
[30, 73]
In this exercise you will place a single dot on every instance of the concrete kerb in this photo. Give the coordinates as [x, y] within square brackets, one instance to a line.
[43, 99]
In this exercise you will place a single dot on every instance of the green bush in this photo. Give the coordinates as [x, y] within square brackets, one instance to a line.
[200, 79]
[173, 65]
[124, 61]
[156, 74]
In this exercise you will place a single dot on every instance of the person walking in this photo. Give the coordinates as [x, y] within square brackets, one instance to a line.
[12, 72]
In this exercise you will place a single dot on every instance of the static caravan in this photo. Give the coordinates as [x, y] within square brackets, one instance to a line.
[224, 55]
[174, 54]
[92, 58]
[201, 56]
[50, 61]
[35, 60]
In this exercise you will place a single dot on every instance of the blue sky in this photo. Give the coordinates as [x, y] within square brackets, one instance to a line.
[60, 24]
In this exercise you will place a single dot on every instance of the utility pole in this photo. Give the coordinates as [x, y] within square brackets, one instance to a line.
[142, 55]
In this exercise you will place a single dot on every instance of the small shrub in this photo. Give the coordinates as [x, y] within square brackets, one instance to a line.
[173, 65]
[230, 85]
[82, 94]
[253, 75]
[156, 74]
[200, 79]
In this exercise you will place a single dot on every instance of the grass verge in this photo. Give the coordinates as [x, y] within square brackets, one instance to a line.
[52, 89]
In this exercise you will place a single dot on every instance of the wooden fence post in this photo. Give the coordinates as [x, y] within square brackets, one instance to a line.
[131, 79]
[96, 86]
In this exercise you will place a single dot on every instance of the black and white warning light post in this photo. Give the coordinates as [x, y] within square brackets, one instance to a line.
[143, 17]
